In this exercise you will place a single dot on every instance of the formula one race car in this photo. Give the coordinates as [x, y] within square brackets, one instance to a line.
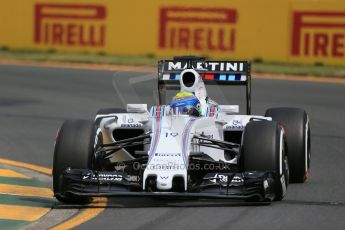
[191, 147]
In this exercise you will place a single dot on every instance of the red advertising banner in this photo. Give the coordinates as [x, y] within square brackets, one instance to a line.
[318, 34]
[200, 29]
[67, 24]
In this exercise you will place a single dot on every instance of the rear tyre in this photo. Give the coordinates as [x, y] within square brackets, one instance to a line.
[263, 150]
[296, 126]
[73, 148]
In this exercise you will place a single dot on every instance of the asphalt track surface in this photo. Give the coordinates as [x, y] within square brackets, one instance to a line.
[34, 102]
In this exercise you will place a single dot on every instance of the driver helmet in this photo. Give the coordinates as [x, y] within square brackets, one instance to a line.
[186, 103]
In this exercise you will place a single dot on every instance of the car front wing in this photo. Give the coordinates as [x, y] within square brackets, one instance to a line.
[252, 186]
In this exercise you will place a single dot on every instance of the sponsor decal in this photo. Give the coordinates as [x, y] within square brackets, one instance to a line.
[318, 34]
[87, 176]
[129, 123]
[208, 65]
[199, 29]
[164, 177]
[224, 179]
[235, 125]
[101, 177]
[169, 166]
[237, 179]
[69, 24]
[236, 122]
[132, 178]
[171, 134]
[219, 178]
[138, 125]
[167, 154]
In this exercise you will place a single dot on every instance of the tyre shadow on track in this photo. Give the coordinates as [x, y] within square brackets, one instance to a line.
[139, 202]
[315, 203]
[163, 203]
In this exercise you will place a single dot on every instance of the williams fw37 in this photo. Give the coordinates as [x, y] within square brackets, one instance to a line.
[190, 146]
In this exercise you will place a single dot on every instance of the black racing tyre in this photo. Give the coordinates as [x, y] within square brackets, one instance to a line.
[297, 130]
[73, 148]
[263, 150]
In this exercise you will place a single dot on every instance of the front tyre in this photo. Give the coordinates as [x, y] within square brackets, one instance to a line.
[74, 148]
[296, 125]
[263, 149]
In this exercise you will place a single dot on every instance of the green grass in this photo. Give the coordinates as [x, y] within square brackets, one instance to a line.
[27, 201]
[24, 182]
[96, 58]
[299, 69]
[102, 58]
[12, 224]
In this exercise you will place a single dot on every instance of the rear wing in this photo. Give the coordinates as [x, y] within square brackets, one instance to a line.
[212, 72]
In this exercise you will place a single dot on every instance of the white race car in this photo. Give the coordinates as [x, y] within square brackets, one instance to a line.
[191, 147]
